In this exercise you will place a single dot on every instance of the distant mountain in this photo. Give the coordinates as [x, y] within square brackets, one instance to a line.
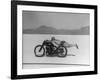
[51, 30]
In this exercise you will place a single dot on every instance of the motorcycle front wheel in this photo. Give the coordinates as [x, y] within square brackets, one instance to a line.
[64, 53]
[37, 51]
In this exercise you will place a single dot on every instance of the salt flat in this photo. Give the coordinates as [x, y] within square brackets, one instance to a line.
[82, 55]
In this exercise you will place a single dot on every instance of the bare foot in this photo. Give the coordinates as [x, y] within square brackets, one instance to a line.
[77, 46]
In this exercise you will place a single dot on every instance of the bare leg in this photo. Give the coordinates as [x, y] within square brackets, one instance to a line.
[74, 45]
[71, 45]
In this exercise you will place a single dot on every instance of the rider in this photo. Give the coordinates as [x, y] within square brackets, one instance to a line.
[57, 42]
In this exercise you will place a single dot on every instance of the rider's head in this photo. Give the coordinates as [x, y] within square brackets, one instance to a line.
[53, 38]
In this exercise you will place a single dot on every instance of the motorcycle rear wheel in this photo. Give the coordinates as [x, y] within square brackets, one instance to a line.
[39, 53]
[64, 54]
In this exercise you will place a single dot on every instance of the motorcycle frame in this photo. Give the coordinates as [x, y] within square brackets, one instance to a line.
[54, 52]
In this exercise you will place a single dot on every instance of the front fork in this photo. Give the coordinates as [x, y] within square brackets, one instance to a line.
[42, 46]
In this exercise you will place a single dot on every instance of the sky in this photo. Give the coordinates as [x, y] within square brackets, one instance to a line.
[58, 20]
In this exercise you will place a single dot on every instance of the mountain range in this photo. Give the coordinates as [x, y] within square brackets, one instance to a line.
[51, 30]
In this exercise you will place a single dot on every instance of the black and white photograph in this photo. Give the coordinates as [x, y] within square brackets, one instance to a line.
[53, 39]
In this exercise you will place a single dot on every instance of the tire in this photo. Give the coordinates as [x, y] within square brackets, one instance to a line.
[37, 53]
[63, 54]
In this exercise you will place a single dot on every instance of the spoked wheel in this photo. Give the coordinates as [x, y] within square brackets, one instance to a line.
[63, 53]
[37, 51]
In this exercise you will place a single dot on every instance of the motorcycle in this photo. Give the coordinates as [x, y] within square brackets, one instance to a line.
[48, 49]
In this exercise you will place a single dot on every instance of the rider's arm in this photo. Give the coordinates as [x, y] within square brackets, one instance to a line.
[57, 41]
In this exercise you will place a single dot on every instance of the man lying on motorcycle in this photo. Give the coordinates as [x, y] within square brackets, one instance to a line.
[57, 42]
